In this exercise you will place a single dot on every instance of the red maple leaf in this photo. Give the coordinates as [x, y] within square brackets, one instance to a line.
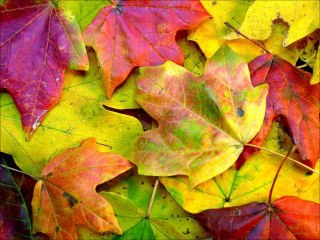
[38, 42]
[286, 218]
[292, 97]
[139, 33]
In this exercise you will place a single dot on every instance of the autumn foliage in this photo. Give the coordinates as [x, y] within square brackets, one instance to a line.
[148, 119]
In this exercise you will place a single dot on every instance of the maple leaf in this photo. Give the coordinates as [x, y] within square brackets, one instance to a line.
[66, 194]
[289, 217]
[203, 122]
[292, 97]
[38, 42]
[251, 183]
[139, 33]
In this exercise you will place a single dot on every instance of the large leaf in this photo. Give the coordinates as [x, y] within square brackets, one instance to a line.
[131, 198]
[251, 183]
[292, 97]
[139, 33]
[38, 42]
[301, 16]
[15, 202]
[66, 194]
[203, 122]
[287, 217]
[78, 116]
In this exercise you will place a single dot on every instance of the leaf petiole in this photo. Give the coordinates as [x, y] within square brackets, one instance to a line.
[281, 155]
[277, 174]
[152, 197]
[240, 33]
[16, 170]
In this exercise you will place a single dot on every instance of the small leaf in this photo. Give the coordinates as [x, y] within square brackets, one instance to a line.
[288, 217]
[66, 194]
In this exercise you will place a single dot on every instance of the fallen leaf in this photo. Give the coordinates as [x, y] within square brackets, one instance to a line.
[38, 42]
[302, 17]
[78, 116]
[15, 201]
[288, 217]
[291, 96]
[203, 122]
[167, 220]
[139, 33]
[65, 195]
[251, 183]
[210, 34]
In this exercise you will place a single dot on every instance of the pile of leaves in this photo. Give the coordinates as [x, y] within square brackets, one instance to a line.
[147, 119]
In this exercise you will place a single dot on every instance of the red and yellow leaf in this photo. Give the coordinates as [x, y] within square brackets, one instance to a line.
[203, 122]
[139, 33]
[38, 42]
[286, 218]
[293, 97]
[66, 196]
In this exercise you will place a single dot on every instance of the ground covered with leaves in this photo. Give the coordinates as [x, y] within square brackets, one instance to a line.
[148, 119]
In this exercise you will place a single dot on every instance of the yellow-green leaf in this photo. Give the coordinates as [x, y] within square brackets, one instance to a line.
[251, 183]
[131, 198]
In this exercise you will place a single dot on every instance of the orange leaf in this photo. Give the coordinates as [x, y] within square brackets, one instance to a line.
[66, 196]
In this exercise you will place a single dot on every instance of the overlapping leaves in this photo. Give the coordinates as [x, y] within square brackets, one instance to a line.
[123, 38]
[204, 123]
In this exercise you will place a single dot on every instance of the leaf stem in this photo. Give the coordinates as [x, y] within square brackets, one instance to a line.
[152, 197]
[302, 66]
[240, 33]
[277, 174]
[16, 170]
[281, 155]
